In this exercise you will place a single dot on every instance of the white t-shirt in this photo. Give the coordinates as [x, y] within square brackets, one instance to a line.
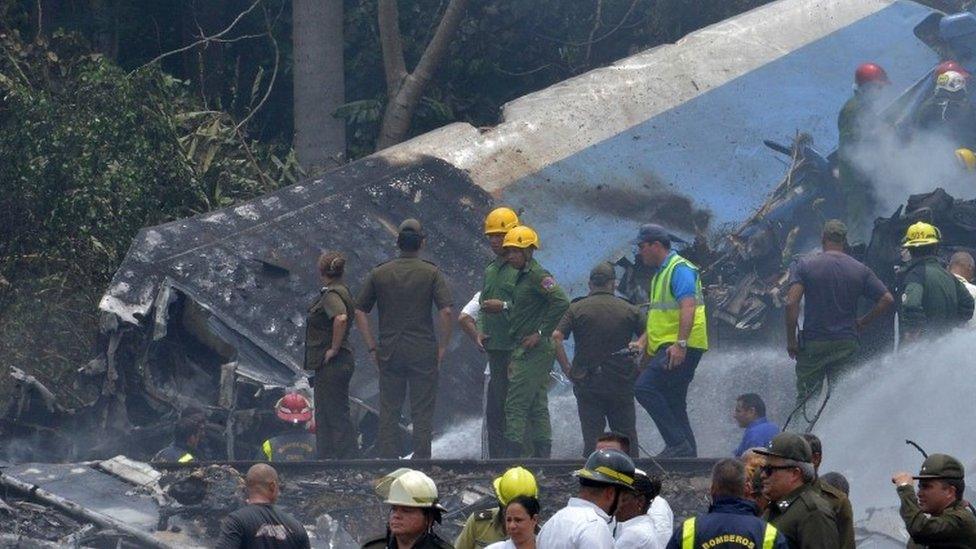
[663, 518]
[579, 525]
[507, 544]
[637, 533]
[972, 291]
[473, 308]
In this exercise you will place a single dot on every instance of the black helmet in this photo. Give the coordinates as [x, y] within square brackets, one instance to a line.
[611, 467]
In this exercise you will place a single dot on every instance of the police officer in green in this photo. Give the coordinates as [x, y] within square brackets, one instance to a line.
[409, 354]
[937, 517]
[674, 341]
[537, 306]
[796, 507]
[488, 526]
[838, 500]
[490, 330]
[603, 382]
[933, 301]
[329, 355]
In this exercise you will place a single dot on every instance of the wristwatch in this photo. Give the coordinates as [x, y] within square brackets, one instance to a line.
[683, 343]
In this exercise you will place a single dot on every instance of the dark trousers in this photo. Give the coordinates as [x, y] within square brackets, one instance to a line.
[394, 387]
[664, 394]
[334, 433]
[598, 409]
[495, 409]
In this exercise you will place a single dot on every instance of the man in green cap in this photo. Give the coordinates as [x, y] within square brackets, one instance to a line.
[409, 355]
[603, 381]
[796, 507]
[830, 283]
[538, 304]
[937, 517]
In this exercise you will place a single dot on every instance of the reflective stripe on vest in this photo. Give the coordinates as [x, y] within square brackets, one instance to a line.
[266, 448]
[664, 314]
[185, 458]
[769, 538]
[688, 535]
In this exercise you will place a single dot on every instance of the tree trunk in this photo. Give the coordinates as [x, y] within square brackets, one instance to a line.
[404, 99]
[319, 82]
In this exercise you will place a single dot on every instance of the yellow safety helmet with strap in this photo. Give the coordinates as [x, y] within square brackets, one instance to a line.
[409, 488]
[967, 159]
[521, 237]
[515, 482]
[501, 220]
[921, 234]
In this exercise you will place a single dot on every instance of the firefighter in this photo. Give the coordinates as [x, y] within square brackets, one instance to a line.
[488, 526]
[948, 111]
[414, 510]
[490, 326]
[297, 443]
[537, 305]
[674, 340]
[187, 434]
[409, 355]
[932, 301]
[858, 124]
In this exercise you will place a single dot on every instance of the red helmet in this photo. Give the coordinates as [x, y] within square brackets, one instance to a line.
[950, 65]
[870, 73]
[293, 408]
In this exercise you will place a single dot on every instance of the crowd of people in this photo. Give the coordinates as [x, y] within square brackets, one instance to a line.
[771, 497]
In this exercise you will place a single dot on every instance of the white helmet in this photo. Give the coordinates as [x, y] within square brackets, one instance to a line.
[409, 488]
[951, 81]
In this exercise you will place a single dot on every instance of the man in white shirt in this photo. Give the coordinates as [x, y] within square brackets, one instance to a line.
[584, 522]
[635, 528]
[963, 267]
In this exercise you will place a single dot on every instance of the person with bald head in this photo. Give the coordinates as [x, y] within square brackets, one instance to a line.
[261, 524]
[963, 267]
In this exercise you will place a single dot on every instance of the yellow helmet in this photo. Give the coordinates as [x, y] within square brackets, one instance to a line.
[521, 237]
[921, 234]
[501, 220]
[517, 481]
[408, 488]
[967, 159]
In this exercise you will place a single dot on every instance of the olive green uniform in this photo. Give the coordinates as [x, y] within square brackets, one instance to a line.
[481, 530]
[538, 304]
[404, 290]
[805, 519]
[855, 186]
[335, 437]
[602, 324]
[933, 300]
[499, 284]
[428, 541]
[955, 527]
[843, 512]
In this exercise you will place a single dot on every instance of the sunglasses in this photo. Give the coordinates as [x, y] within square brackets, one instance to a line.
[769, 469]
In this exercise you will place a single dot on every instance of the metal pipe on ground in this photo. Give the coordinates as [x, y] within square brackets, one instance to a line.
[144, 539]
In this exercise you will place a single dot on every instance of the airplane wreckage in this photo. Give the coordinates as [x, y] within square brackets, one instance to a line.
[206, 314]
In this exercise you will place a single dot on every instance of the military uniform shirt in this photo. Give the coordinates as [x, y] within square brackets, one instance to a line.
[499, 284]
[403, 290]
[481, 529]
[805, 520]
[955, 528]
[427, 541]
[538, 303]
[843, 512]
[601, 324]
[333, 301]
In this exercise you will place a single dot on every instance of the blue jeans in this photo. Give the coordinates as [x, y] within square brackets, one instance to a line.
[664, 394]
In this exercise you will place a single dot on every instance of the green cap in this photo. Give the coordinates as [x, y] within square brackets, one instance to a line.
[789, 446]
[411, 225]
[941, 466]
[602, 273]
[835, 230]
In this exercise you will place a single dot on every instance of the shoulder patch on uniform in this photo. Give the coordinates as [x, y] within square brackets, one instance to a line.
[548, 282]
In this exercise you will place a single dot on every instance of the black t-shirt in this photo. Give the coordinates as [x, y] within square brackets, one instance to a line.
[832, 283]
[262, 526]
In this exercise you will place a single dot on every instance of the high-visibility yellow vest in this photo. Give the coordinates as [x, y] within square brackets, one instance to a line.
[185, 458]
[664, 313]
[688, 535]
